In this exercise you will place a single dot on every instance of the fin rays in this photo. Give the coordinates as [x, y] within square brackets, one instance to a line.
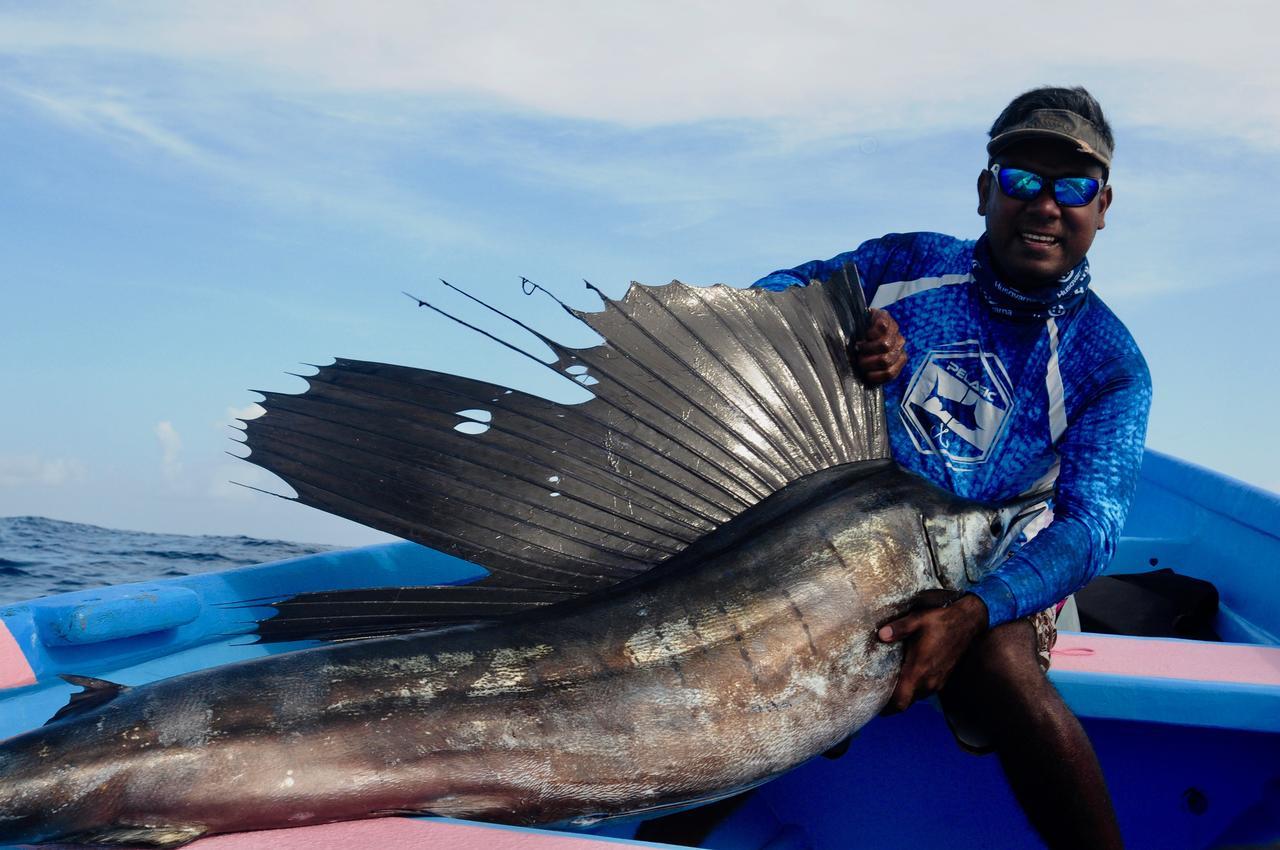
[706, 401]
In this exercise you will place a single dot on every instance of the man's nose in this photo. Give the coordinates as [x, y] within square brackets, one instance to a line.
[1044, 204]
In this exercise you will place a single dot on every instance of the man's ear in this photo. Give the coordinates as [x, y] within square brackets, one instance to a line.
[1103, 203]
[984, 186]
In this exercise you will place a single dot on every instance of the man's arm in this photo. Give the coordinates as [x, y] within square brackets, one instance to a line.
[1101, 458]
[894, 256]
[881, 356]
[812, 270]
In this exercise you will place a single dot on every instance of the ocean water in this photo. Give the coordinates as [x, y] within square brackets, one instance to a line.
[40, 556]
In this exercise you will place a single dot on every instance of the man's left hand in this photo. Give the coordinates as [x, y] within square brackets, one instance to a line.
[938, 631]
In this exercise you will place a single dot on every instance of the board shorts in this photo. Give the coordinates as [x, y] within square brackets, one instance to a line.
[971, 730]
[1045, 624]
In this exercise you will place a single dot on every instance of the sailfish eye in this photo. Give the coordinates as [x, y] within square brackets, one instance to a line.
[996, 526]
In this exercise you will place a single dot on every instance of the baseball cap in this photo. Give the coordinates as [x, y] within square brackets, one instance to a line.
[1060, 124]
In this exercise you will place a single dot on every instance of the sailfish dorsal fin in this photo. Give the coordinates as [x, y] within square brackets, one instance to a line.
[706, 401]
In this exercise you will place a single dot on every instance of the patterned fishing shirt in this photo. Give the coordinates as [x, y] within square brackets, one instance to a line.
[1005, 393]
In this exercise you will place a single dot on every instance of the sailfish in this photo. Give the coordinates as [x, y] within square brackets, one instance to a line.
[684, 578]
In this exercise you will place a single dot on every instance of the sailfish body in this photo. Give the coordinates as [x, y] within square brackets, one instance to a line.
[685, 578]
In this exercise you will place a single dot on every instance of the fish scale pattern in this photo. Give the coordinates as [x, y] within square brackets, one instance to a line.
[990, 406]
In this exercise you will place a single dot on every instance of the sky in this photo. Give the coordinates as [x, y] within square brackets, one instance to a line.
[200, 197]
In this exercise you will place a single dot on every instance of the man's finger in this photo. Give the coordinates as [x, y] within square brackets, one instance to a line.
[882, 325]
[899, 702]
[884, 345]
[896, 630]
[879, 325]
[874, 360]
[904, 692]
[881, 374]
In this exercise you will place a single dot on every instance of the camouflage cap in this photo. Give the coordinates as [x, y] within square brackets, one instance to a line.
[1056, 124]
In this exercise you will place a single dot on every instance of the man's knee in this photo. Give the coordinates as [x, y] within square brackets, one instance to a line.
[1000, 680]
[1002, 663]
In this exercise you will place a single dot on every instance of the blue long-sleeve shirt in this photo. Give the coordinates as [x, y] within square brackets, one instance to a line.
[990, 406]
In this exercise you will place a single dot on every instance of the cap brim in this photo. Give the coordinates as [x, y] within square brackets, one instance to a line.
[1004, 140]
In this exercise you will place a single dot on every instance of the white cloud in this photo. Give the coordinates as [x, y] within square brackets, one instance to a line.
[330, 112]
[235, 415]
[171, 447]
[823, 66]
[240, 148]
[112, 114]
[35, 470]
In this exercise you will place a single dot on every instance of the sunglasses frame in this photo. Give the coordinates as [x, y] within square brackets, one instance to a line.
[994, 168]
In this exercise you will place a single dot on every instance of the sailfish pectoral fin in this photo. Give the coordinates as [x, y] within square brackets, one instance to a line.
[379, 611]
[96, 692]
[160, 837]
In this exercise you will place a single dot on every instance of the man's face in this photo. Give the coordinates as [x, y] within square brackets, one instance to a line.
[1016, 229]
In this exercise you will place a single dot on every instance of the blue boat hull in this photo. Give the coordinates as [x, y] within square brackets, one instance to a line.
[1188, 734]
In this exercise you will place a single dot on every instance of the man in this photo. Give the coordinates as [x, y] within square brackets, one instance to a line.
[1003, 371]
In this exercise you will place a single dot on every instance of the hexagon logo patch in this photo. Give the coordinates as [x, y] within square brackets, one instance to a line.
[958, 403]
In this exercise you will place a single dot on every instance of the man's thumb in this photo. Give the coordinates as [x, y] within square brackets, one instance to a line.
[897, 629]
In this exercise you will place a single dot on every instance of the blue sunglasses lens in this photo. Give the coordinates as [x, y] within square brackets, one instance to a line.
[1075, 191]
[1023, 185]
[1020, 185]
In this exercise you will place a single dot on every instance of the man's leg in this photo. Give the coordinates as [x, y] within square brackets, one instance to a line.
[1045, 752]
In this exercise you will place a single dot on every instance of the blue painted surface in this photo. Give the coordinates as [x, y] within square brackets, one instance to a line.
[143, 610]
[1211, 527]
[1187, 762]
[93, 631]
[1222, 705]
[904, 783]
[216, 635]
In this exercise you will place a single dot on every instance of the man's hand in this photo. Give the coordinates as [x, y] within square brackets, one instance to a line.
[881, 356]
[938, 631]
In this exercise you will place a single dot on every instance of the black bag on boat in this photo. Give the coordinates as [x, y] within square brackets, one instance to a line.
[1160, 603]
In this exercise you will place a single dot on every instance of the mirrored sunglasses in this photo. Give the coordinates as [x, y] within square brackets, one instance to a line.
[1023, 185]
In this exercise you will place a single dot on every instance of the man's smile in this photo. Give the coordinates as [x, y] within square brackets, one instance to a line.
[1039, 243]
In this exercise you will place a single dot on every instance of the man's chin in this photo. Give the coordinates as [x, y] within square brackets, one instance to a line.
[1035, 274]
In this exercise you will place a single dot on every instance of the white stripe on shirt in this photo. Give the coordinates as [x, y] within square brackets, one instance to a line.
[891, 292]
[1053, 385]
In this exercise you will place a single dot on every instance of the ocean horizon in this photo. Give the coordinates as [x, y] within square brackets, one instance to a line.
[40, 556]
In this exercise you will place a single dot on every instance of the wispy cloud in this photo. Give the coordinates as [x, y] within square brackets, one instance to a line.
[365, 115]
[241, 146]
[27, 470]
[832, 65]
[111, 114]
[170, 448]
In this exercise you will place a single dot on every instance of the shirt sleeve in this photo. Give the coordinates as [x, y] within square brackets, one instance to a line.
[868, 257]
[1101, 457]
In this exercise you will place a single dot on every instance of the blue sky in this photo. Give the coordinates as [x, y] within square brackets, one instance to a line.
[201, 196]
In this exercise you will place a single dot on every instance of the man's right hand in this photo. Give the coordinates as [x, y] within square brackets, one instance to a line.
[938, 630]
[881, 356]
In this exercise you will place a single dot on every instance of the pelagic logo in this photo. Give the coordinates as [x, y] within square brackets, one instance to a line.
[958, 403]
